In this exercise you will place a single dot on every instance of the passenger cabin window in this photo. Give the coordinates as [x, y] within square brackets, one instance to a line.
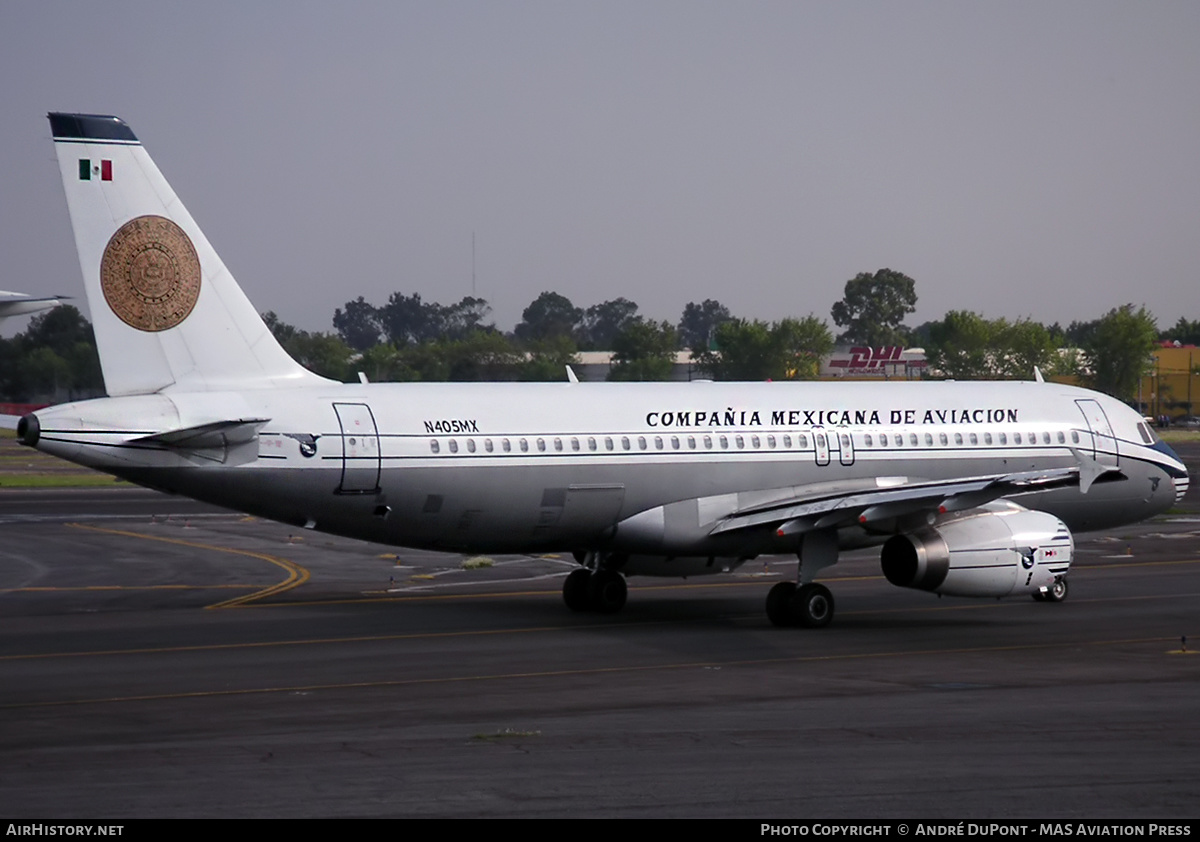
[574, 444]
[724, 442]
[658, 443]
[801, 442]
[912, 439]
[524, 446]
[708, 442]
[558, 444]
[505, 445]
[987, 438]
[1061, 438]
[1004, 438]
[674, 442]
[471, 445]
[625, 442]
[1016, 438]
[755, 443]
[770, 441]
[608, 443]
[641, 442]
[739, 441]
[958, 439]
[787, 441]
[867, 440]
[434, 446]
[487, 445]
[929, 440]
[541, 443]
[1075, 436]
[942, 438]
[453, 446]
[974, 439]
[691, 442]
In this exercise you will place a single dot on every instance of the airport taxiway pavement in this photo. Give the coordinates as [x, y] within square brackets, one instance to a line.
[163, 658]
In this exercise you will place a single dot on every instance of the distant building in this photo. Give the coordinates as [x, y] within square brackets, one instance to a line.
[860, 362]
[845, 363]
[1173, 383]
[595, 365]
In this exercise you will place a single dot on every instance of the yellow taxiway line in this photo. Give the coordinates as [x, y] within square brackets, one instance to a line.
[297, 575]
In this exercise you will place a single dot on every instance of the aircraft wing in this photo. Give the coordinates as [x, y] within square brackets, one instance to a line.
[897, 497]
[18, 304]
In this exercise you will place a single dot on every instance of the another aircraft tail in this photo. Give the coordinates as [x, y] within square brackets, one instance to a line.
[166, 312]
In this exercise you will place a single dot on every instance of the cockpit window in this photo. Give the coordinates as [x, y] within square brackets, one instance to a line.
[1148, 436]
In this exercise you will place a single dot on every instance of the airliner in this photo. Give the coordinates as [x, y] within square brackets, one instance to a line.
[969, 489]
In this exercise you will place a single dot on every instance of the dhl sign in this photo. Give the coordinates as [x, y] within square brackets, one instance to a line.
[886, 359]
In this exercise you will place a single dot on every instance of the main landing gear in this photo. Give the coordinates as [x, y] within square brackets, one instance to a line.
[806, 604]
[603, 591]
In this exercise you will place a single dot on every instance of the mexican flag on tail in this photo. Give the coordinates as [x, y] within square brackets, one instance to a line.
[89, 169]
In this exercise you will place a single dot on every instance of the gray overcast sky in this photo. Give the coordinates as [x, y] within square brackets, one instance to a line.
[1016, 158]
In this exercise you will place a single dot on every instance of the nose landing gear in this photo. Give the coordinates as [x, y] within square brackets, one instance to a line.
[1055, 593]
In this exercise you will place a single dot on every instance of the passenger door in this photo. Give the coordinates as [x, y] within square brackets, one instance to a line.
[1104, 443]
[360, 448]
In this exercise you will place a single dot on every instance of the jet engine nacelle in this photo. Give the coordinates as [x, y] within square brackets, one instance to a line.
[998, 550]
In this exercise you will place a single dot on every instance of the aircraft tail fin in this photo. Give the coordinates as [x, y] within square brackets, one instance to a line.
[166, 312]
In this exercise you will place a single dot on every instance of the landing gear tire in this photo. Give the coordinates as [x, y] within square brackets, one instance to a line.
[607, 591]
[1058, 591]
[1055, 593]
[575, 589]
[809, 606]
[779, 605]
[812, 606]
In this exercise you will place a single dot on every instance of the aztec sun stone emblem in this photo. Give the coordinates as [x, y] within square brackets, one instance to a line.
[150, 274]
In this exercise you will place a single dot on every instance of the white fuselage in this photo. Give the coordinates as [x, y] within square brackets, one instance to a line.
[650, 478]
[523, 467]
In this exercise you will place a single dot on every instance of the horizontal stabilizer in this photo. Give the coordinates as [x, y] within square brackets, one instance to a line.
[217, 434]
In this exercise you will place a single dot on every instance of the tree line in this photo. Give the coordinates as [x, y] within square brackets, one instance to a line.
[54, 359]
[410, 339]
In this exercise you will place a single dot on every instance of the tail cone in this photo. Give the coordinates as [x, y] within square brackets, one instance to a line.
[29, 430]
